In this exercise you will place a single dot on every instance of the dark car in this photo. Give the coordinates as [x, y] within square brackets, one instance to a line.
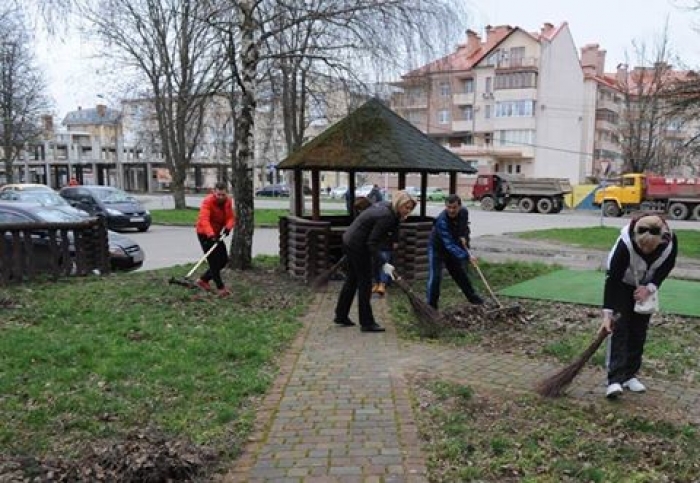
[124, 253]
[273, 190]
[46, 198]
[121, 210]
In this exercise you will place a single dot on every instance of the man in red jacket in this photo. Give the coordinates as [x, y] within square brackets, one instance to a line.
[216, 219]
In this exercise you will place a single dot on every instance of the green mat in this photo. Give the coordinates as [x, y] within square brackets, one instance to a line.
[680, 297]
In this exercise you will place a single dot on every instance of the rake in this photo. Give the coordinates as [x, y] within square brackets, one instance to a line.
[187, 282]
[512, 310]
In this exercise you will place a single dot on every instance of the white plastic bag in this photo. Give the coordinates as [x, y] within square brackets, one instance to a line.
[648, 306]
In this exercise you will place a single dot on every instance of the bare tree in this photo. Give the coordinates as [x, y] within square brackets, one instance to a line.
[166, 44]
[651, 132]
[22, 91]
[259, 31]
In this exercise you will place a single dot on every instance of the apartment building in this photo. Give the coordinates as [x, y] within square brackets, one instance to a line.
[632, 103]
[511, 102]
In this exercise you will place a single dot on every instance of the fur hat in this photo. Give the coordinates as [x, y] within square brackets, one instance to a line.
[400, 198]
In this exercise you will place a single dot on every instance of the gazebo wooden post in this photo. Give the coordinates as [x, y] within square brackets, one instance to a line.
[423, 192]
[453, 183]
[351, 192]
[315, 195]
[402, 180]
[298, 192]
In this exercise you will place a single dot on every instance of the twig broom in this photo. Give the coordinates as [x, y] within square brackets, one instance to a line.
[325, 276]
[427, 315]
[554, 385]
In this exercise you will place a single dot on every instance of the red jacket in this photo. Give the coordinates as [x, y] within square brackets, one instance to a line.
[214, 217]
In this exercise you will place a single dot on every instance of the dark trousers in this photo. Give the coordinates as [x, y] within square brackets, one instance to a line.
[217, 260]
[455, 268]
[626, 343]
[358, 279]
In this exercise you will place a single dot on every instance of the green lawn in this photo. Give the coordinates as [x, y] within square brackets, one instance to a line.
[602, 238]
[88, 360]
[188, 216]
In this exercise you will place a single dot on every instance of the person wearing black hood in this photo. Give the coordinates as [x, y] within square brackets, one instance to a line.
[362, 243]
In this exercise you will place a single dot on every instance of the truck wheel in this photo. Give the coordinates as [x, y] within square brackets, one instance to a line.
[545, 206]
[678, 211]
[487, 203]
[696, 213]
[611, 209]
[526, 205]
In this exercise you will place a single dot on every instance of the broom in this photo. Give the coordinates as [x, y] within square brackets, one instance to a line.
[322, 280]
[427, 314]
[555, 384]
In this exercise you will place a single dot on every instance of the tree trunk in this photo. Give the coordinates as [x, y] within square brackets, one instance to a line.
[242, 241]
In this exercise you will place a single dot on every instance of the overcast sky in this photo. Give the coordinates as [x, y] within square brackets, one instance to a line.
[76, 78]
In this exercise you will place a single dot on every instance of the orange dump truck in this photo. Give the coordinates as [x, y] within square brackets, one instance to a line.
[677, 197]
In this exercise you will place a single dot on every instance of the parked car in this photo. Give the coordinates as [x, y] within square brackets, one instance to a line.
[119, 208]
[436, 194]
[413, 191]
[25, 187]
[46, 198]
[339, 192]
[273, 190]
[124, 253]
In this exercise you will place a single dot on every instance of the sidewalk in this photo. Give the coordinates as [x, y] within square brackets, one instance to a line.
[340, 410]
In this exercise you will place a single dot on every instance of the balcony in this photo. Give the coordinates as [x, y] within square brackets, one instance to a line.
[411, 102]
[463, 125]
[501, 152]
[465, 98]
[518, 63]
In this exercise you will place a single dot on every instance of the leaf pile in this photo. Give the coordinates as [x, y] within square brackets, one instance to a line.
[141, 457]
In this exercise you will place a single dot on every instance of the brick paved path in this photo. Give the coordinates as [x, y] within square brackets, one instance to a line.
[340, 410]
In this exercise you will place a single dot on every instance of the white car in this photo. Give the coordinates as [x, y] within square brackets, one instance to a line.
[339, 192]
[363, 190]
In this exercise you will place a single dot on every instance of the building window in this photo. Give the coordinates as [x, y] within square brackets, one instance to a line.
[516, 137]
[445, 90]
[487, 111]
[472, 163]
[468, 86]
[516, 80]
[517, 168]
[517, 54]
[443, 116]
[467, 113]
[522, 108]
[488, 85]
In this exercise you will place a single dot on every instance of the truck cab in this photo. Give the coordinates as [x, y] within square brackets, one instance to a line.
[619, 195]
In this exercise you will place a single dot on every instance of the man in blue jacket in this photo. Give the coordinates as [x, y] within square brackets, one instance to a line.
[449, 247]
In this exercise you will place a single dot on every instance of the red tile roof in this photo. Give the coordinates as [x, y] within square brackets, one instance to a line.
[466, 56]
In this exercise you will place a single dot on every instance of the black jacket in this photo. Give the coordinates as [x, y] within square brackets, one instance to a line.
[372, 229]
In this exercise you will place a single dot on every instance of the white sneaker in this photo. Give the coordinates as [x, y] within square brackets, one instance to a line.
[634, 385]
[614, 390]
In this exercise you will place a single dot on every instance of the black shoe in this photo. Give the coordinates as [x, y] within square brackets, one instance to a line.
[476, 300]
[344, 323]
[372, 328]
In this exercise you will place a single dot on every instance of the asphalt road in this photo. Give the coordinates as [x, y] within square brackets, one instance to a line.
[166, 245]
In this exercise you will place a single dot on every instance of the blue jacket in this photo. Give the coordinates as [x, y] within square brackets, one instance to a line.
[446, 234]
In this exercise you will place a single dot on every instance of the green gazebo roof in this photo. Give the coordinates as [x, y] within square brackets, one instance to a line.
[375, 138]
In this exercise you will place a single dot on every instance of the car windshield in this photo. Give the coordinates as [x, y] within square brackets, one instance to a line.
[46, 198]
[113, 195]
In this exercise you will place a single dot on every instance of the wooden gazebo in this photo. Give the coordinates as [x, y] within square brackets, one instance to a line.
[370, 139]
